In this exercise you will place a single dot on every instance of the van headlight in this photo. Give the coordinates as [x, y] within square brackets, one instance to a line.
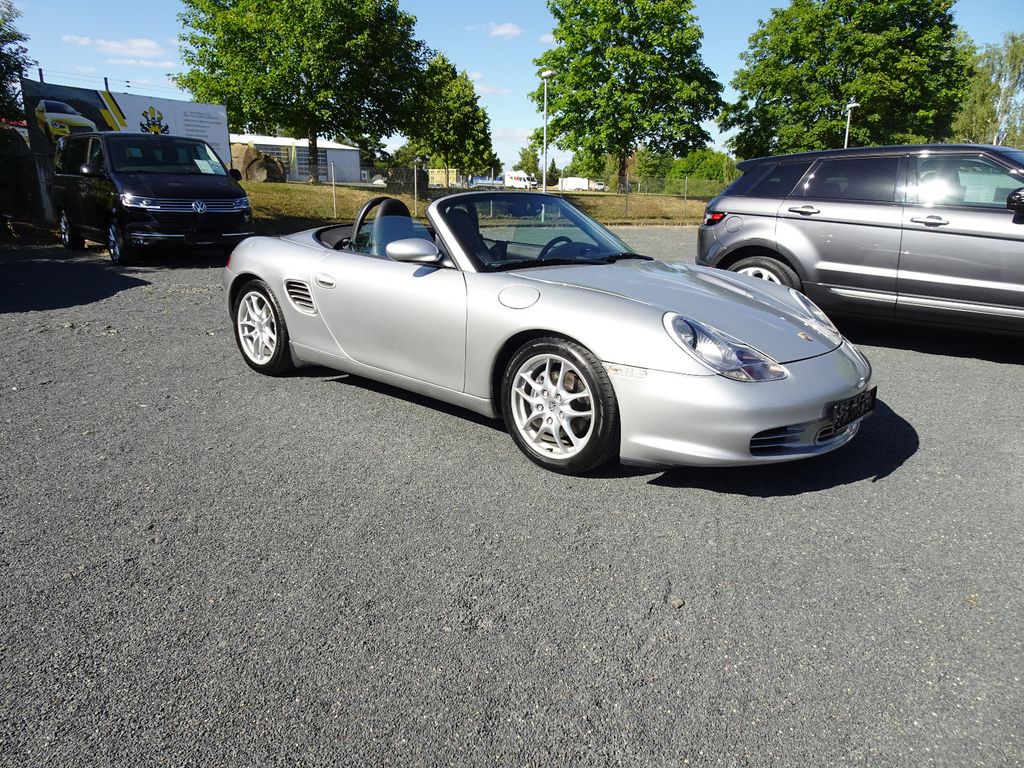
[722, 353]
[241, 202]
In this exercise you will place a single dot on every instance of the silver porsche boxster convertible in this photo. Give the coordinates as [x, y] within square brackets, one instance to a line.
[518, 306]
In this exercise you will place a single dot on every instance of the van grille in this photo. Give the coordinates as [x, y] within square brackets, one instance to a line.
[300, 295]
[184, 205]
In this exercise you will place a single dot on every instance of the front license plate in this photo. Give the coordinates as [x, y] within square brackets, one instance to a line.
[853, 408]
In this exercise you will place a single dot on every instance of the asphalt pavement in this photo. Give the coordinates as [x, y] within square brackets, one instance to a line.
[201, 566]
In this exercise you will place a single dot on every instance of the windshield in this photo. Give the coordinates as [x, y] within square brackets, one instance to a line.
[508, 230]
[163, 154]
[1017, 156]
[58, 108]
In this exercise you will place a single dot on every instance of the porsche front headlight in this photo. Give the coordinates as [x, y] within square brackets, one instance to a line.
[722, 353]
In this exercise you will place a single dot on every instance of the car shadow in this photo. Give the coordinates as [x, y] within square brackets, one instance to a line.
[933, 340]
[33, 279]
[352, 380]
[884, 443]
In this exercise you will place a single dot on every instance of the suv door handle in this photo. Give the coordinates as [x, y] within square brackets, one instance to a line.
[930, 221]
[324, 280]
[805, 209]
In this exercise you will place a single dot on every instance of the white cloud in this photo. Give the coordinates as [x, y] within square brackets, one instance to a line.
[490, 89]
[507, 30]
[519, 135]
[82, 68]
[548, 38]
[76, 40]
[143, 63]
[135, 47]
[474, 76]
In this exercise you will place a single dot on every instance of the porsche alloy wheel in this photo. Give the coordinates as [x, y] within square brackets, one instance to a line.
[560, 407]
[260, 330]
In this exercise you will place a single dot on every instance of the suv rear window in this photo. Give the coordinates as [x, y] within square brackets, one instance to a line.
[772, 180]
[860, 178]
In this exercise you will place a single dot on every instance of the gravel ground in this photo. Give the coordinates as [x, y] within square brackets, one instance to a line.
[205, 567]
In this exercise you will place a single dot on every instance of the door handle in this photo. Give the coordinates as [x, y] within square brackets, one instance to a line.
[808, 210]
[325, 281]
[930, 221]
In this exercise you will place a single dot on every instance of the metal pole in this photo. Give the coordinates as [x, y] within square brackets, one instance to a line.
[415, 190]
[106, 85]
[334, 191]
[849, 113]
[41, 75]
[544, 169]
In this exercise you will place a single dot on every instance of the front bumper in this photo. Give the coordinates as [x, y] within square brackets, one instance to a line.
[671, 419]
[188, 230]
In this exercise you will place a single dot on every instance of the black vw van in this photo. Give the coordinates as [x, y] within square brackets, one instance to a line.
[134, 191]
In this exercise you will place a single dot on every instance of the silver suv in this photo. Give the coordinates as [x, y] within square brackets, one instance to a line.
[931, 233]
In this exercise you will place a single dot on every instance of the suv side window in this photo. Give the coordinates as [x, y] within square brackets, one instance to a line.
[862, 178]
[96, 154]
[771, 180]
[968, 180]
[75, 154]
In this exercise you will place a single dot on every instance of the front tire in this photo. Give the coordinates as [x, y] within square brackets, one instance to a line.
[68, 237]
[560, 407]
[767, 268]
[121, 253]
[260, 330]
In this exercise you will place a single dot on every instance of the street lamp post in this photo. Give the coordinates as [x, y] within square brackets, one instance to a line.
[545, 76]
[849, 113]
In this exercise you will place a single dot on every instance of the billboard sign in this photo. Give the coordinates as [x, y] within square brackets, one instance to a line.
[60, 110]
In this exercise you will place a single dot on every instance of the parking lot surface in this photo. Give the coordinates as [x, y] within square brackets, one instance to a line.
[203, 566]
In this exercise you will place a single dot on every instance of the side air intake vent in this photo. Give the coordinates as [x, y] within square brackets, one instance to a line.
[301, 296]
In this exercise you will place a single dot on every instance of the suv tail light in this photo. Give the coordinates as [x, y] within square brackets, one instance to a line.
[713, 217]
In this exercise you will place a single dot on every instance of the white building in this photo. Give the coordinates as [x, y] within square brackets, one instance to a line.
[294, 155]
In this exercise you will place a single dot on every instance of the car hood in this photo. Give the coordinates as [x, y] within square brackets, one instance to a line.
[180, 185]
[720, 299]
[63, 117]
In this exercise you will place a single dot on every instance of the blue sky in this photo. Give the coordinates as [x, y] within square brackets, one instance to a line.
[495, 42]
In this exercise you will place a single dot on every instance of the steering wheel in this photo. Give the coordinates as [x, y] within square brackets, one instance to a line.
[551, 244]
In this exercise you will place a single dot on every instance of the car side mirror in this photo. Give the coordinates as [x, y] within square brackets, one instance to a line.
[415, 250]
[235, 174]
[90, 169]
[1015, 200]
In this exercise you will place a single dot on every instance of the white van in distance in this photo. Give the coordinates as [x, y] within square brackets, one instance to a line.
[520, 180]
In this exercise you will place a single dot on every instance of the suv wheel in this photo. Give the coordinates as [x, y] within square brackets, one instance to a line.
[121, 252]
[767, 268]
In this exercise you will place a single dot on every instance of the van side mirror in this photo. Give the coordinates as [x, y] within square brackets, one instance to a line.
[235, 174]
[90, 169]
[1015, 200]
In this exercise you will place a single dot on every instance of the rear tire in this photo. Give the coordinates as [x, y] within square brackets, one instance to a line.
[560, 407]
[70, 239]
[260, 330]
[767, 268]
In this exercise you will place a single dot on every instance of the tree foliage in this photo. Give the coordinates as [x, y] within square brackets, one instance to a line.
[627, 73]
[450, 123]
[13, 61]
[529, 161]
[704, 164]
[313, 67]
[899, 59]
[993, 112]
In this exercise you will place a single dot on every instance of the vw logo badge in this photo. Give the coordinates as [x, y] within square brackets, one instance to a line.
[199, 206]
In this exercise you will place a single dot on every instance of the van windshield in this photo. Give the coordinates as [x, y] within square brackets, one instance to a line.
[163, 154]
[1017, 157]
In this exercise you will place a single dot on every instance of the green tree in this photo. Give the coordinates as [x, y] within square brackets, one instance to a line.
[993, 112]
[451, 124]
[529, 161]
[704, 164]
[586, 164]
[313, 67]
[627, 73]
[651, 164]
[13, 61]
[899, 59]
[553, 173]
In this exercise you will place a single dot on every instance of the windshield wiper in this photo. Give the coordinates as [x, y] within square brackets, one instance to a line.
[500, 267]
[612, 258]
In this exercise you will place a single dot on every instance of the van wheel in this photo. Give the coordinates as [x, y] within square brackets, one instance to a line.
[767, 268]
[120, 252]
[68, 237]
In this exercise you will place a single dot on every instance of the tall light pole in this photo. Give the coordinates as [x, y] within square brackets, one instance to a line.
[545, 76]
[849, 113]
